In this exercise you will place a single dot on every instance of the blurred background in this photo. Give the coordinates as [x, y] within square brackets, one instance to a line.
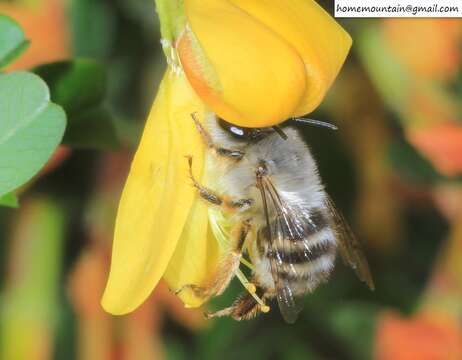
[394, 168]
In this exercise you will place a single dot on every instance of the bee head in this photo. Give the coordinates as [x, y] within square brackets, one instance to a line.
[247, 134]
[242, 133]
[256, 134]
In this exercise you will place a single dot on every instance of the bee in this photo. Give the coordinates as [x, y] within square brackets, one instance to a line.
[268, 202]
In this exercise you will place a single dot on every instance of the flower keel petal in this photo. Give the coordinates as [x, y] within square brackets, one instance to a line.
[157, 197]
[196, 257]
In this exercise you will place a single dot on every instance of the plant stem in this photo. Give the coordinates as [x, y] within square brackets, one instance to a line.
[172, 18]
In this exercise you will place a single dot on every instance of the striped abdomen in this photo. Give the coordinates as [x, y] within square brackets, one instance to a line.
[302, 255]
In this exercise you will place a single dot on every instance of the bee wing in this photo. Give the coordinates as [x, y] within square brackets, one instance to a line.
[286, 226]
[349, 246]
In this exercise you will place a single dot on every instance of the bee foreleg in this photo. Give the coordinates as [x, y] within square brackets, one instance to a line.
[215, 199]
[228, 153]
[204, 193]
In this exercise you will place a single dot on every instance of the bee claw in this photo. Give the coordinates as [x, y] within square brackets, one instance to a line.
[197, 290]
[207, 315]
[177, 291]
[220, 313]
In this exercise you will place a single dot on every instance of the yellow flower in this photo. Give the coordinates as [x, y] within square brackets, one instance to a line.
[254, 63]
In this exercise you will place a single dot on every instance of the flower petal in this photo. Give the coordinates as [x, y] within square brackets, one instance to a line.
[157, 197]
[320, 41]
[196, 256]
[241, 69]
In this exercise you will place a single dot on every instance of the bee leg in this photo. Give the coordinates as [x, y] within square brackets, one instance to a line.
[226, 269]
[204, 193]
[245, 307]
[228, 153]
[215, 199]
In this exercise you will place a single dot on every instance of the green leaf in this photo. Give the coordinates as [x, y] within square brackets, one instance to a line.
[9, 200]
[75, 85]
[31, 127]
[12, 40]
[94, 129]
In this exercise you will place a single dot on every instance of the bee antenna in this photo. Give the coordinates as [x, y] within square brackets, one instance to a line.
[315, 123]
[280, 132]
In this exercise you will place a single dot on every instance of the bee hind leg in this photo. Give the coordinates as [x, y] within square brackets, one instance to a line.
[245, 307]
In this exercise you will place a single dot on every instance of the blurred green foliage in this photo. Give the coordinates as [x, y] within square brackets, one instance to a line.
[79, 86]
[30, 297]
[10, 200]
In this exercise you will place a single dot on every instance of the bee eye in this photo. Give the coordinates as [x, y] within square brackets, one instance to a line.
[241, 133]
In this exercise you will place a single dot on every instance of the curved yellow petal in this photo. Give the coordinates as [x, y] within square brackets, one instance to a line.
[196, 257]
[157, 197]
[241, 69]
[319, 40]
